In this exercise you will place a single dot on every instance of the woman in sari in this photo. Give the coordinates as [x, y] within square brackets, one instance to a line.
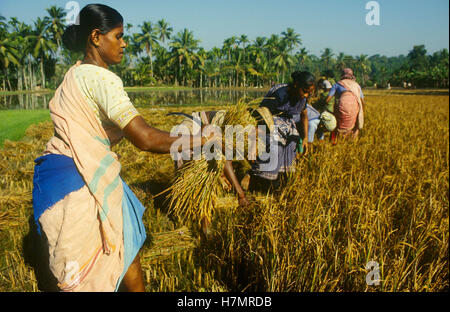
[89, 218]
[284, 111]
[349, 106]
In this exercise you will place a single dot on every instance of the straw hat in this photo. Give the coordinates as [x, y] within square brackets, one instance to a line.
[267, 117]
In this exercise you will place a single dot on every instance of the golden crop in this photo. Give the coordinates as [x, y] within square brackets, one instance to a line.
[383, 198]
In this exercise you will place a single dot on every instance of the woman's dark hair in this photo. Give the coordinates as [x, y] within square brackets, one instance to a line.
[328, 73]
[92, 16]
[303, 79]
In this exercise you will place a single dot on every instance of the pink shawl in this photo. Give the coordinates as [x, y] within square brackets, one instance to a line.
[355, 89]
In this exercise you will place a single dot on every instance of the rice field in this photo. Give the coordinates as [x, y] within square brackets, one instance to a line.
[384, 198]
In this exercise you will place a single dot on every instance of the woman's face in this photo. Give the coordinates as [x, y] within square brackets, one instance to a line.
[111, 46]
[305, 92]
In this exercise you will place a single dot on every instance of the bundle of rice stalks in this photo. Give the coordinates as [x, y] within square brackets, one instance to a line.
[240, 114]
[249, 117]
[195, 190]
[193, 195]
[166, 244]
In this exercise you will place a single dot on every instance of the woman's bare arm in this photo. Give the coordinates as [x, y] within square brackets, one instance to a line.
[229, 173]
[149, 139]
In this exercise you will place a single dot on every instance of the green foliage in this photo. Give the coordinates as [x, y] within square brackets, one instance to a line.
[32, 55]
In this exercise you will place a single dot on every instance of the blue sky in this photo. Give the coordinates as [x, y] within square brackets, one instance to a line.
[339, 25]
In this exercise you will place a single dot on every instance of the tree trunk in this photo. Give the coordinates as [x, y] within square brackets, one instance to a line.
[42, 73]
[149, 52]
[29, 77]
[19, 80]
[180, 78]
[7, 79]
[33, 78]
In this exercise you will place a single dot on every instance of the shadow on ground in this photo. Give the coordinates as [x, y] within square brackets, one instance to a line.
[36, 255]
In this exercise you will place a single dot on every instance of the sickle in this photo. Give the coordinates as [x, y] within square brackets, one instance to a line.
[185, 115]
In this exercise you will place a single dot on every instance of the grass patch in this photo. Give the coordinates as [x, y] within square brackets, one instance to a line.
[15, 122]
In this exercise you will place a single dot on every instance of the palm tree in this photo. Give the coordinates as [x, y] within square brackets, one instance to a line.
[418, 58]
[327, 56]
[162, 69]
[164, 30]
[349, 61]
[272, 45]
[147, 38]
[142, 73]
[200, 64]
[20, 38]
[2, 23]
[363, 64]
[302, 57]
[257, 49]
[292, 38]
[216, 56]
[259, 43]
[340, 63]
[56, 15]
[266, 71]
[42, 45]
[244, 40]
[132, 49]
[183, 47]
[257, 56]
[8, 55]
[283, 60]
[228, 45]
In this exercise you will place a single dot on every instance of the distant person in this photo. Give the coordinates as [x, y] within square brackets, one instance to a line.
[285, 107]
[328, 75]
[349, 107]
[316, 117]
[323, 89]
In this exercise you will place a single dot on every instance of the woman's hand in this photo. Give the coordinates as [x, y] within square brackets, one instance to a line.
[305, 146]
[243, 201]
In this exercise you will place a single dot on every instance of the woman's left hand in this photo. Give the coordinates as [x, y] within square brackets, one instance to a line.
[305, 146]
[243, 201]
